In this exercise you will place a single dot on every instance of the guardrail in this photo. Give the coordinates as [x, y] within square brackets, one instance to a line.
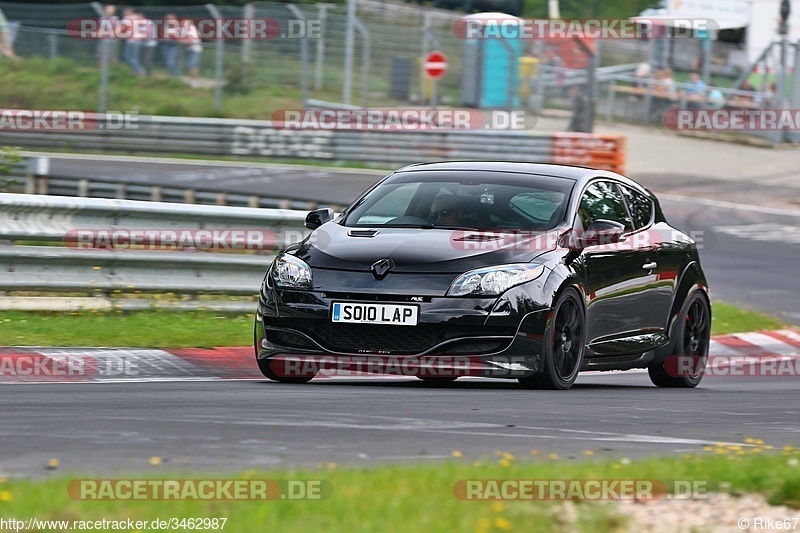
[33, 177]
[42, 248]
[254, 138]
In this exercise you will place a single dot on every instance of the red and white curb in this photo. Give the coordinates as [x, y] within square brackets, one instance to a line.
[58, 365]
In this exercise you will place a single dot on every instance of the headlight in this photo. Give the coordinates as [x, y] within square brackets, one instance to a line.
[493, 281]
[290, 272]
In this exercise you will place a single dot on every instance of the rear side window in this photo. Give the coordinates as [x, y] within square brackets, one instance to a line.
[639, 205]
[602, 200]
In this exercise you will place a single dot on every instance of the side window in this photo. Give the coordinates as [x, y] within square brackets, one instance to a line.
[603, 200]
[640, 206]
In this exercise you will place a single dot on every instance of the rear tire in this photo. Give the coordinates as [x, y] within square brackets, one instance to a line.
[685, 367]
[564, 345]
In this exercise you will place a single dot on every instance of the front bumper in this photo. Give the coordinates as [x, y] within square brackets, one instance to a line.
[486, 337]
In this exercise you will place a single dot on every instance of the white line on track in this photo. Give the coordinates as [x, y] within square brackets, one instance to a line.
[729, 205]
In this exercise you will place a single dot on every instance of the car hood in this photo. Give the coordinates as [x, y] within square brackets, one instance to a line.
[332, 246]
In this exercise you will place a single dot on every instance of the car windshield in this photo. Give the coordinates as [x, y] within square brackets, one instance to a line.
[498, 201]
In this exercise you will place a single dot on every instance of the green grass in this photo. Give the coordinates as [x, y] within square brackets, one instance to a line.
[201, 329]
[727, 318]
[36, 83]
[421, 498]
[151, 328]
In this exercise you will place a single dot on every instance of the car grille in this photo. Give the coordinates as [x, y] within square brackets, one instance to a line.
[366, 338]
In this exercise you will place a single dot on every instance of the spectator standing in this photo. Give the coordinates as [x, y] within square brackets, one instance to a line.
[581, 120]
[715, 97]
[769, 97]
[190, 38]
[6, 48]
[695, 91]
[149, 45]
[109, 21]
[665, 85]
[642, 74]
[747, 86]
[169, 43]
[131, 24]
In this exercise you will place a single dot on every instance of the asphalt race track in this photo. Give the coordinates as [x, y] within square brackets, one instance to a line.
[233, 425]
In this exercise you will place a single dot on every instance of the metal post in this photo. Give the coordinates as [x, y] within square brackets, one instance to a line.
[539, 100]
[105, 54]
[247, 45]
[428, 36]
[303, 53]
[783, 30]
[794, 103]
[218, 76]
[365, 61]
[320, 61]
[706, 66]
[422, 79]
[53, 38]
[348, 51]
[591, 83]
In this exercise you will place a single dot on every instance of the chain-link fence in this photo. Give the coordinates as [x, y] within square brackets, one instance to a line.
[386, 55]
[322, 57]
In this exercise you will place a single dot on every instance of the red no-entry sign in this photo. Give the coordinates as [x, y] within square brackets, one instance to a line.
[435, 65]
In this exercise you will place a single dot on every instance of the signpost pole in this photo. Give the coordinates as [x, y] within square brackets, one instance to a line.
[435, 66]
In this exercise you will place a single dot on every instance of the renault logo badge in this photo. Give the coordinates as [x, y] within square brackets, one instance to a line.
[381, 268]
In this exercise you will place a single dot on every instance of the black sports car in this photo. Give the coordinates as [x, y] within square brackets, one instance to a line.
[496, 269]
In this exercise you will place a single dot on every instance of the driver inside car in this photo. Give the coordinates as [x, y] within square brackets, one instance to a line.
[447, 210]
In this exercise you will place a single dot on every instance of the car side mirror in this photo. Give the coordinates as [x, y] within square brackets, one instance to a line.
[600, 232]
[319, 217]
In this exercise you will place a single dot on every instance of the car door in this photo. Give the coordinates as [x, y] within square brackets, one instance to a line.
[616, 276]
[662, 278]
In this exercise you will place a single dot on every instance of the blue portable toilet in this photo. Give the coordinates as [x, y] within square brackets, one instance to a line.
[490, 74]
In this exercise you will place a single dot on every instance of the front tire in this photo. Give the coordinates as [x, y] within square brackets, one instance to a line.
[685, 367]
[564, 345]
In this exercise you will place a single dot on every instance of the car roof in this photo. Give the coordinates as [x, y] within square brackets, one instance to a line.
[573, 172]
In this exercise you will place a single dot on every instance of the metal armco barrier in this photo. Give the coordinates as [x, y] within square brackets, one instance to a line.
[65, 266]
[254, 138]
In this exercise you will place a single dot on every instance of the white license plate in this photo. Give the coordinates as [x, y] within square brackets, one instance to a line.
[359, 313]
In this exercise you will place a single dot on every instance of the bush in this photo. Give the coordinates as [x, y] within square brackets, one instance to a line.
[8, 158]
